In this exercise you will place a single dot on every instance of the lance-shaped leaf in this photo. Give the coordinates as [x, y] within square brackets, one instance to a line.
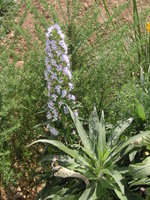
[60, 145]
[82, 133]
[134, 141]
[140, 170]
[143, 181]
[89, 193]
[101, 140]
[120, 195]
[93, 127]
[118, 131]
[117, 178]
[140, 110]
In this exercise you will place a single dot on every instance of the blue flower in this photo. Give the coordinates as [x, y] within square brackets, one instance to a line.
[49, 115]
[58, 76]
[58, 88]
[64, 93]
[67, 72]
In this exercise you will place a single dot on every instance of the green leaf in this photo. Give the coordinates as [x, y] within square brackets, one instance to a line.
[140, 110]
[101, 140]
[132, 155]
[69, 197]
[140, 170]
[54, 192]
[86, 151]
[134, 141]
[147, 142]
[143, 181]
[120, 195]
[93, 127]
[118, 131]
[82, 133]
[117, 177]
[89, 193]
[101, 190]
[60, 145]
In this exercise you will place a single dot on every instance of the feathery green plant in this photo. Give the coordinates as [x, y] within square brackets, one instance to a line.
[100, 49]
[5, 6]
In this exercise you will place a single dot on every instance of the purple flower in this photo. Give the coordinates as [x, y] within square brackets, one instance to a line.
[75, 113]
[48, 93]
[54, 97]
[49, 68]
[67, 72]
[60, 103]
[54, 76]
[59, 53]
[47, 45]
[65, 58]
[48, 86]
[64, 93]
[59, 68]
[66, 111]
[60, 33]
[53, 131]
[54, 62]
[50, 54]
[55, 115]
[58, 88]
[70, 86]
[50, 105]
[60, 80]
[49, 116]
[57, 75]
[63, 45]
[48, 126]
[71, 97]
[53, 45]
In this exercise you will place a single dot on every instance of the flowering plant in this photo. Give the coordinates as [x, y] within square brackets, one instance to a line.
[58, 76]
[96, 163]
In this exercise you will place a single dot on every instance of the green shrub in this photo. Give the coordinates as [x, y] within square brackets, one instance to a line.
[22, 99]
[5, 6]
[8, 10]
[133, 100]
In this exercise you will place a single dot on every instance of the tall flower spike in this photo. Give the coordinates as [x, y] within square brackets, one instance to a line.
[58, 76]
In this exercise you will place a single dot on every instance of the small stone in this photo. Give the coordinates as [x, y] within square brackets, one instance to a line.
[11, 35]
[86, 5]
[19, 189]
[20, 64]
